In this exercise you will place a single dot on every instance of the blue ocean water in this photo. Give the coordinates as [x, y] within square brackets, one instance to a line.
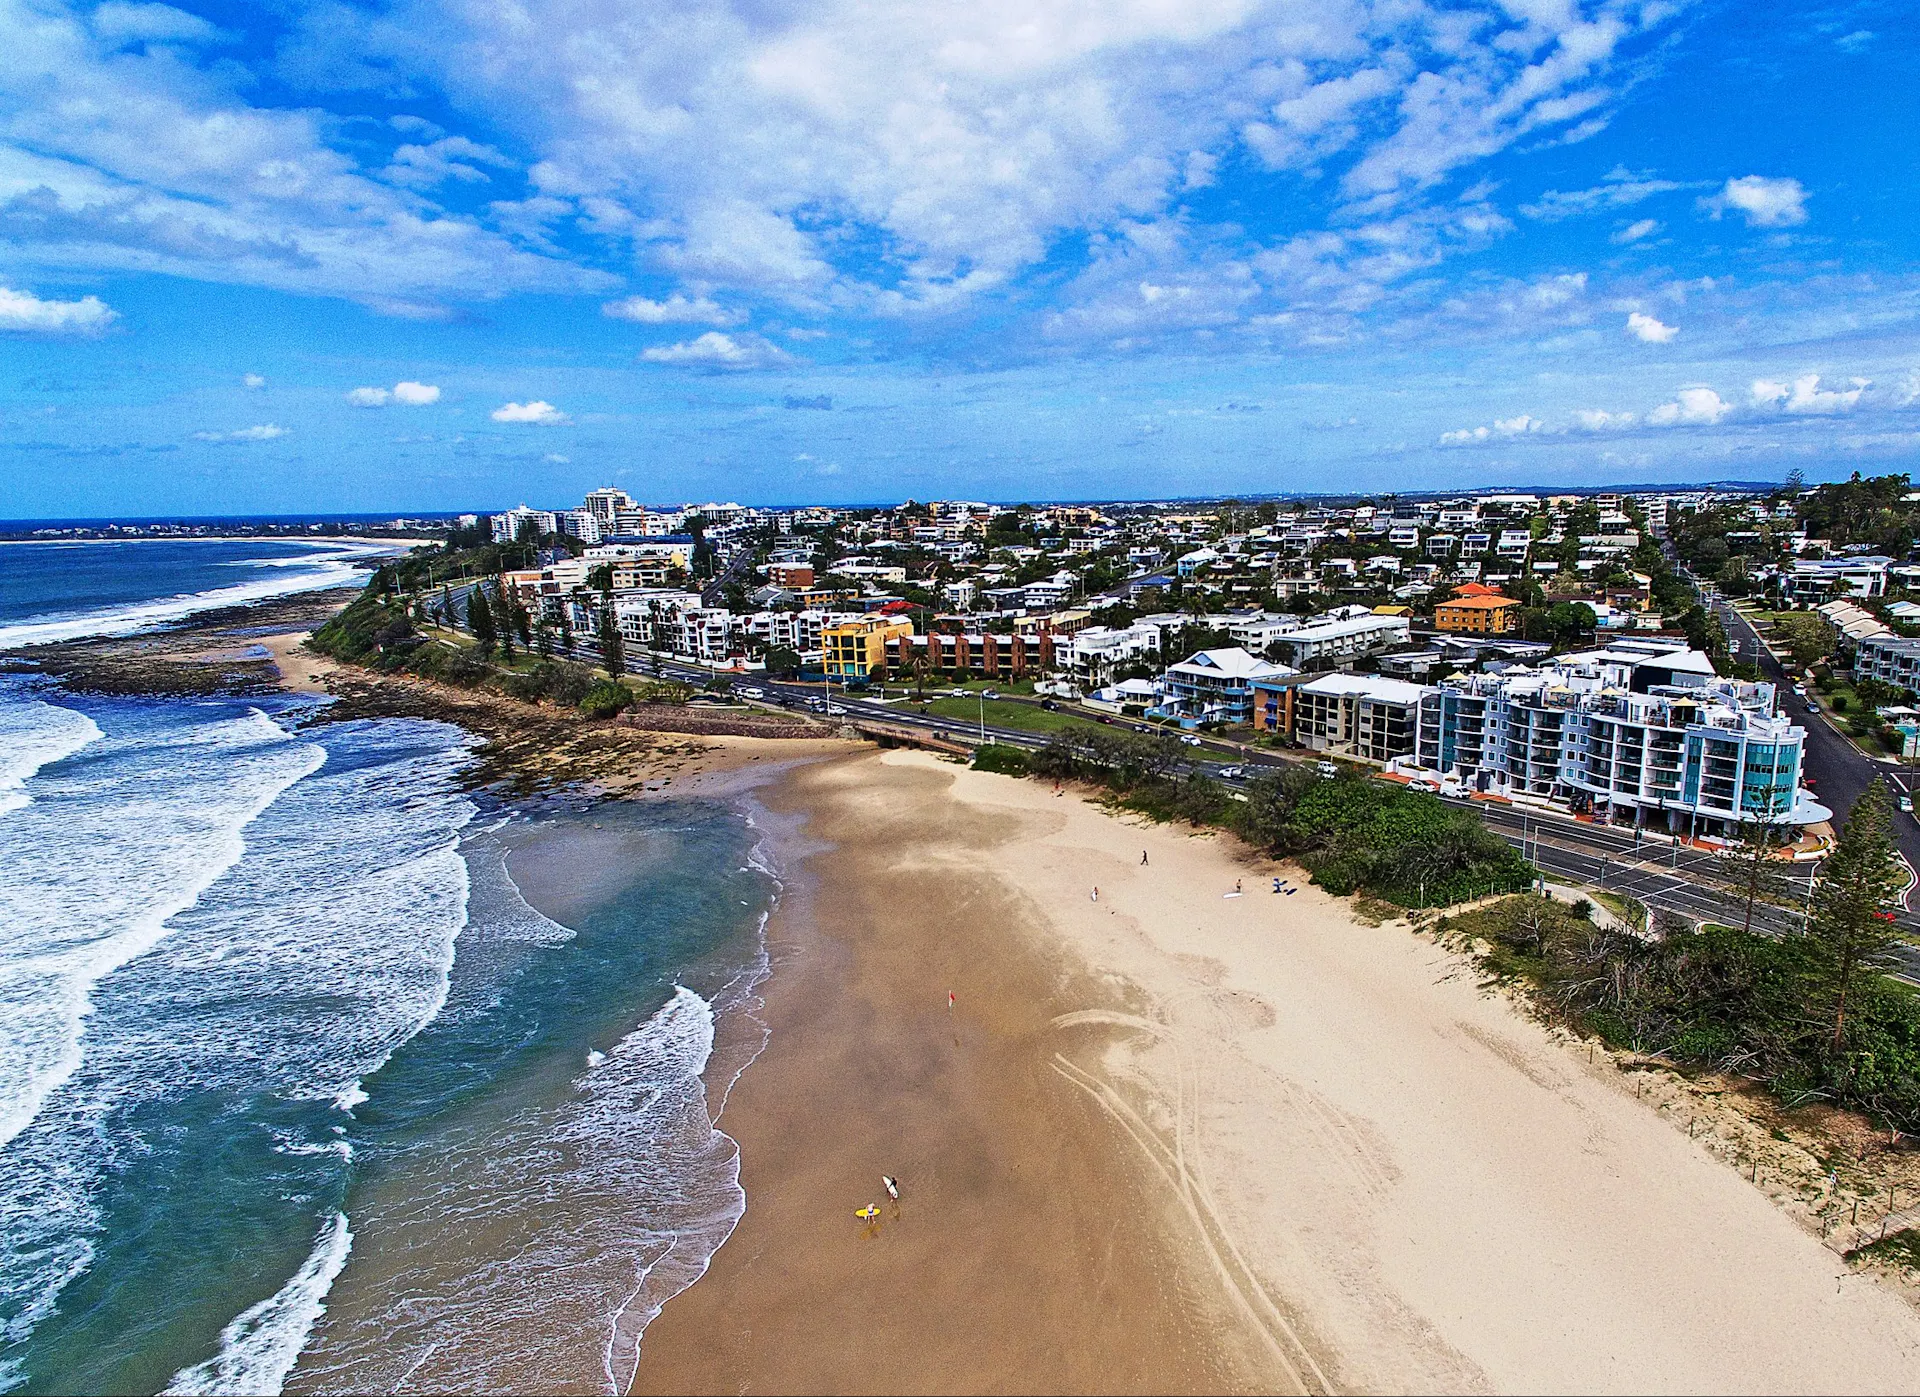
[57, 591]
[298, 1090]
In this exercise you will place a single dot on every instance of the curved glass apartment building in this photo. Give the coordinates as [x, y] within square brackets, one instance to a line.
[1630, 738]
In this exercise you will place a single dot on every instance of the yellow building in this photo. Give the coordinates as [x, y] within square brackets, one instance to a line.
[851, 650]
[1478, 615]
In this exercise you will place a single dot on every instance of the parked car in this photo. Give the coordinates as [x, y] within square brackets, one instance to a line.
[1906, 805]
[1326, 769]
[835, 710]
[1812, 707]
[989, 693]
[753, 693]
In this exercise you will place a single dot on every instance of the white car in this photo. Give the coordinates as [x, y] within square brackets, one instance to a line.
[753, 693]
[1191, 740]
[1906, 805]
[835, 710]
[1327, 769]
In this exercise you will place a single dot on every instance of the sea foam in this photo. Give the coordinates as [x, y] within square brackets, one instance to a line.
[259, 1348]
[35, 734]
[253, 945]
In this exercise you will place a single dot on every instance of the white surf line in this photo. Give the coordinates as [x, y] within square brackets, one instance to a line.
[261, 1345]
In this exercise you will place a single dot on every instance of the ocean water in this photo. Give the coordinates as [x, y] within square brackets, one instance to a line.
[59, 591]
[319, 1072]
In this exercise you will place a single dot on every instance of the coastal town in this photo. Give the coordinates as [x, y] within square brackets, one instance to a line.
[1547, 650]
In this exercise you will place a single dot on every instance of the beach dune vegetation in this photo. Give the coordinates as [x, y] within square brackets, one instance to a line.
[1356, 834]
[1352, 833]
[1716, 999]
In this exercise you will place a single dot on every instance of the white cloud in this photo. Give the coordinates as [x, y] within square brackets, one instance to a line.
[1766, 203]
[1649, 330]
[407, 393]
[265, 432]
[538, 413]
[144, 159]
[714, 350]
[675, 310]
[452, 158]
[1600, 420]
[1692, 407]
[1465, 436]
[554, 458]
[1634, 232]
[1517, 426]
[26, 312]
[254, 381]
[845, 157]
[129, 23]
[1556, 204]
[1805, 395]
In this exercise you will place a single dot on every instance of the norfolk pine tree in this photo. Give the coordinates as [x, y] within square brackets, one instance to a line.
[1852, 932]
[1749, 869]
[613, 650]
[480, 618]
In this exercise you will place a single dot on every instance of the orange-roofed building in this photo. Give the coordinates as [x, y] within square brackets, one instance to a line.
[1488, 615]
[1476, 589]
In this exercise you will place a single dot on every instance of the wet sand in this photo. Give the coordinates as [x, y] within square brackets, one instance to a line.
[1027, 1253]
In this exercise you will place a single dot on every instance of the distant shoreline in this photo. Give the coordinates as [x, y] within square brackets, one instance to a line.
[319, 539]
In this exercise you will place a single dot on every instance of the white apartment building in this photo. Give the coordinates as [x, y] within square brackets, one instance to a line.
[1630, 737]
[506, 527]
[1514, 545]
[1096, 654]
[1346, 635]
[1817, 579]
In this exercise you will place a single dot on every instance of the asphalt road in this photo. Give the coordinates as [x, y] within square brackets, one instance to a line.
[1840, 770]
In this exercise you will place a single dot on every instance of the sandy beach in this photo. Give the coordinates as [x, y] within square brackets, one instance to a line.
[1180, 1140]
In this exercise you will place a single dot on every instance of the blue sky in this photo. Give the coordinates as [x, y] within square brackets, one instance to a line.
[437, 254]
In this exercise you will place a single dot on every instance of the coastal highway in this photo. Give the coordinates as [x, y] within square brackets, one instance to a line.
[1840, 770]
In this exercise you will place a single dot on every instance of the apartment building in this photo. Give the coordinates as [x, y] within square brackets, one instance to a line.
[1214, 686]
[984, 654]
[1478, 615]
[506, 527]
[1358, 715]
[1348, 634]
[1646, 739]
[1890, 658]
[853, 649]
[1817, 579]
[1095, 654]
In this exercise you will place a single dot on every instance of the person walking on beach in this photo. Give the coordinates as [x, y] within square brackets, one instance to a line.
[1096, 893]
[1143, 858]
[892, 1186]
[1236, 885]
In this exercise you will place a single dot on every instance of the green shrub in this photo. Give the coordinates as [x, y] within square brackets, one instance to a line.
[1000, 758]
[605, 699]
